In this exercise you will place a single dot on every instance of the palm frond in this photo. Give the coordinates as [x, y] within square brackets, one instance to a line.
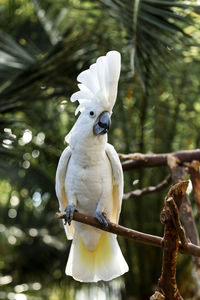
[47, 77]
[49, 25]
[14, 58]
[152, 27]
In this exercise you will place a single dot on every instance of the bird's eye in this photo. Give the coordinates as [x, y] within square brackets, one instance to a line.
[92, 114]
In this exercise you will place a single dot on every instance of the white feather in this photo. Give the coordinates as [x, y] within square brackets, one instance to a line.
[105, 263]
[118, 179]
[60, 187]
[88, 80]
[100, 82]
[101, 74]
[93, 71]
[82, 87]
[82, 95]
[114, 65]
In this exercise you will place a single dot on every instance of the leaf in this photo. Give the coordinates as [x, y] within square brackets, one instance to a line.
[13, 58]
[150, 22]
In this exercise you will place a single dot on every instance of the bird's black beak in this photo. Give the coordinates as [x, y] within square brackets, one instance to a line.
[102, 124]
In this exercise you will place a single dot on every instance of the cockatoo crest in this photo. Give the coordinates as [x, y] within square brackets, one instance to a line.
[98, 84]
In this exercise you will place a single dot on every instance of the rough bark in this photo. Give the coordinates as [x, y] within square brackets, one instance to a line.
[167, 281]
[178, 174]
[139, 160]
[174, 212]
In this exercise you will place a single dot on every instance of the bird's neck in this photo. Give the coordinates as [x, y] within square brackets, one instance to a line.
[90, 150]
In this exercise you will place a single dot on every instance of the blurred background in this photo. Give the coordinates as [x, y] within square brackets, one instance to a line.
[44, 45]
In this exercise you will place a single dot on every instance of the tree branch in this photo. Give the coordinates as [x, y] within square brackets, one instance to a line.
[178, 174]
[139, 160]
[137, 236]
[176, 221]
[150, 189]
[167, 281]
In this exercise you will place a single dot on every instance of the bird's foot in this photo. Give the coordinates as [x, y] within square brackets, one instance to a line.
[69, 210]
[101, 218]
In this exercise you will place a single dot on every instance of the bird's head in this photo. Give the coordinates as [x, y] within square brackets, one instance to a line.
[96, 96]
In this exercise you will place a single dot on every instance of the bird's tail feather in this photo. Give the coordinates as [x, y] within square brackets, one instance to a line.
[104, 263]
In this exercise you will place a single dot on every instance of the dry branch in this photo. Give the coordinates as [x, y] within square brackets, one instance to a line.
[176, 221]
[137, 236]
[167, 281]
[133, 156]
[156, 160]
[150, 189]
[178, 174]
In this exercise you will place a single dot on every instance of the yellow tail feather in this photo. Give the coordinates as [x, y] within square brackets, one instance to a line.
[104, 263]
[96, 258]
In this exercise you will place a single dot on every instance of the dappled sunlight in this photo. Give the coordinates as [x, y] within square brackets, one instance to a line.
[44, 45]
[33, 232]
[5, 280]
[12, 213]
[26, 138]
[39, 138]
[35, 153]
[14, 200]
[37, 199]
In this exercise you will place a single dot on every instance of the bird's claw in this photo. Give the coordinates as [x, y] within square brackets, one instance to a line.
[69, 210]
[101, 218]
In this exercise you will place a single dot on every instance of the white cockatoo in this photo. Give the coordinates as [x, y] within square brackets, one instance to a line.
[89, 176]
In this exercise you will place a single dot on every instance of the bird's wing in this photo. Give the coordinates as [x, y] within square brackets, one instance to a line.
[60, 187]
[118, 182]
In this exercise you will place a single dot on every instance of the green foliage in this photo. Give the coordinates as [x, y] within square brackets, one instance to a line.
[43, 47]
[154, 31]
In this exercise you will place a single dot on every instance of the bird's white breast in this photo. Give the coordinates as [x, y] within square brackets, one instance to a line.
[89, 178]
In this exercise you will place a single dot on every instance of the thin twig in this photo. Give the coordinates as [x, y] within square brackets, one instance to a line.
[150, 189]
